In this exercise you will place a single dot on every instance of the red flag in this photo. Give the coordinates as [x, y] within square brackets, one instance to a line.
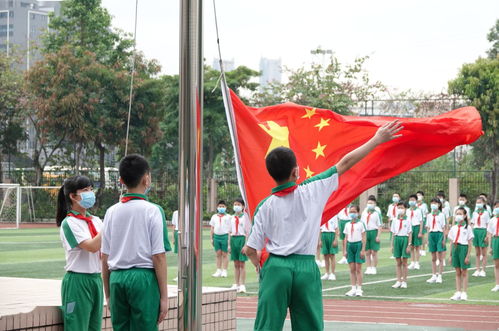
[320, 138]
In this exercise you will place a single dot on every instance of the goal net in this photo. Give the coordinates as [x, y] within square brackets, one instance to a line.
[10, 205]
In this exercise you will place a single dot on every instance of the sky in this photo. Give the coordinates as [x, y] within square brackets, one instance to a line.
[418, 45]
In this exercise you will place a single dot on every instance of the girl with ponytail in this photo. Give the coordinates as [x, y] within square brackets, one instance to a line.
[80, 235]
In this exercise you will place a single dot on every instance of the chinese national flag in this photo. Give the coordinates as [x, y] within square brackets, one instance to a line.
[320, 138]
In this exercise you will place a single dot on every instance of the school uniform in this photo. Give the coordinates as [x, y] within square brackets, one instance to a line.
[353, 232]
[446, 209]
[328, 235]
[221, 228]
[435, 222]
[424, 211]
[240, 227]
[415, 216]
[81, 291]
[401, 229]
[392, 214]
[493, 229]
[134, 230]
[372, 223]
[175, 231]
[343, 218]
[460, 235]
[479, 221]
[287, 224]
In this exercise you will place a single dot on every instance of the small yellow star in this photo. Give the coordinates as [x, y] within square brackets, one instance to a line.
[309, 172]
[319, 150]
[323, 123]
[309, 114]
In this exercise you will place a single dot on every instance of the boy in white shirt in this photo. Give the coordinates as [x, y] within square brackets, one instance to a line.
[392, 213]
[355, 232]
[329, 246]
[371, 218]
[424, 210]
[287, 224]
[437, 232]
[479, 222]
[239, 230]
[462, 203]
[493, 236]
[415, 216]
[134, 243]
[401, 243]
[220, 227]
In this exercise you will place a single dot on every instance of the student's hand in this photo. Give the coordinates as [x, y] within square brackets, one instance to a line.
[335, 243]
[362, 254]
[163, 309]
[450, 260]
[467, 260]
[377, 239]
[486, 241]
[319, 244]
[408, 249]
[420, 235]
[388, 132]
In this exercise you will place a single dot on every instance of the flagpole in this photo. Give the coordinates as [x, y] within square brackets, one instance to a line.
[190, 153]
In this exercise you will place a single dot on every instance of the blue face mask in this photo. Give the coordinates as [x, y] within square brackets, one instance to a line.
[87, 199]
[496, 211]
[412, 203]
[353, 215]
[221, 210]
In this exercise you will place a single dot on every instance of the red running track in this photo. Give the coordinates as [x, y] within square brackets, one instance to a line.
[470, 317]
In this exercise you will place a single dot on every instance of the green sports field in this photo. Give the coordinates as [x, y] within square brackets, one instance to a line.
[37, 253]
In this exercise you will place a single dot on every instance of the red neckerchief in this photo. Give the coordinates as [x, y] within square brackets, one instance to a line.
[130, 197]
[434, 221]
[479, 221]
[91, 226]
[237, 224]
[497, 226]
[393, 210]
[352, 227]
[400, 225]
[286, 191]
[368, 217]
[458, 233]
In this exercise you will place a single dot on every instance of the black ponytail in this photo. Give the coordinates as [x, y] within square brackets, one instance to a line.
[71, 185]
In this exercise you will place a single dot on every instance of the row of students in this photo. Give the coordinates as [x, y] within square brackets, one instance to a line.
[124, 255]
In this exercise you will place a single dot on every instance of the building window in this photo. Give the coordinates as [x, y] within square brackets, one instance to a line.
[11, 3]
[4, 14]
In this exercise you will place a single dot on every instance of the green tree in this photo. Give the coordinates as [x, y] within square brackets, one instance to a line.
[479, 82]
[333, 86]
[493, 37]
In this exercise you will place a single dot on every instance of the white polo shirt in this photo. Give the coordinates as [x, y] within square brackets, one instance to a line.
[354, 235]
[415, 216]
[493, 225]
[220, 224]
[399, 230]
[423, 207]
[392, 211]
[440, 222]
[465, 234]
[480, 220]
[73, 232]
[371, 220]
[133, 232]
[291, 222]
[244, 227]
[331, 225]
[175, 219]
[446, 209]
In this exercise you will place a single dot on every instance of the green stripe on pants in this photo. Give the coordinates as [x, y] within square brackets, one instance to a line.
[290, 281]
[82, 298]
[134, 299]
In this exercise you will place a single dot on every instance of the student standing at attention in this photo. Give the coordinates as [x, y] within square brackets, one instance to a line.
[424, 210]
[134, 243]
[287, 224]
[479, 223]
[392, 213]
[329, 246]
[493, 234]
[343, 219]
[240, 226]
[437, 228]
[415, 216]
[81, 290]
[220, 227]
[401, 243]
[461, 236]
[355, 232]
[372, 221]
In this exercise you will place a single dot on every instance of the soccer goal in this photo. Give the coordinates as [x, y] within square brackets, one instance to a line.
[10, 206]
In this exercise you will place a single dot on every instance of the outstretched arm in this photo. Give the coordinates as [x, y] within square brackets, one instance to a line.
[385, 133]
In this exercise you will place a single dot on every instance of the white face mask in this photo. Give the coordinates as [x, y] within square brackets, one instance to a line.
[434, 207]
[370, 206]
[459, 218]
[462, 202]
[401, 212]
[420, 198]
[238, 209]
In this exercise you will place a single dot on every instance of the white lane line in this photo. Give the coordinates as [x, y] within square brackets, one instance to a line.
[415, 298]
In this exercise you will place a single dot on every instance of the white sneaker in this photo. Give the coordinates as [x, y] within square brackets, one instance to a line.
[332, 277]
[403, 285]
[495, 288]
[234, 287]
[373, 271]
[417, 266]
[392, 257]
[432, 280]
[439, 279]
[175, 279]
[343, 260]
[422, 253]
[359, 292]
[464, 296]
[217, 274]
[351, 293]
[456, 296]
[224, 274]
[241, 289]
[368, 271]
[411, 266]
[476, 273]
[397, 285]
[325, 277]
[323, 264]
[482, 273]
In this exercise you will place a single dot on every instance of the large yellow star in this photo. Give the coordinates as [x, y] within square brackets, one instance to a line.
[278, 133]
[319, 150]
[309, 172]
[323, 123]
[309, 114]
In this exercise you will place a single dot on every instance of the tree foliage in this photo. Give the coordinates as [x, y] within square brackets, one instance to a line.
[493, 37]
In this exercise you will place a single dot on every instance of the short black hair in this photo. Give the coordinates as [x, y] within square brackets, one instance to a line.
[462, 195]
[402, 203]
[240, 200]
[413, 196]
[280, 162]
[484, 194]
[356, 207]
[441, 194]
[221, 202]
[132, 168]
[371, 198]
[420, 192]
